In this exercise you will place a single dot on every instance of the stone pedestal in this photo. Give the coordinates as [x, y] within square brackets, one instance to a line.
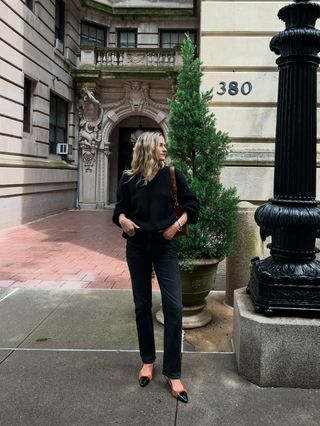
[87, 186]
[247, 245]
[277, 351]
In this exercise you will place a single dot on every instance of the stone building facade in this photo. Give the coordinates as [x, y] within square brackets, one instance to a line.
[240, 67]
[37, 108]
[131, 76]
[81, 78]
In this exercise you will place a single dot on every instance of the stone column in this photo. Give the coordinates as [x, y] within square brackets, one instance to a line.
[90, 119]
[247, 245]
[107, 154]
[100, 184]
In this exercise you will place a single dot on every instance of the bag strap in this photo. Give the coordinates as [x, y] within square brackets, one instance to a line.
[174, 184]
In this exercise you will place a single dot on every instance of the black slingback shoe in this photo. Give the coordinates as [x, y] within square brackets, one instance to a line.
[180, 396]
[145, 379]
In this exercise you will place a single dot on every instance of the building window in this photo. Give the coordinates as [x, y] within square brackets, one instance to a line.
[127, 38]
[29, 4]
[58, 122]
[170, 39]
[27, 105]
[59, 26]
[93, 34]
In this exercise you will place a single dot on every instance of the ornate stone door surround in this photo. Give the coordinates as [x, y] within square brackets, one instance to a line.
[96, 123]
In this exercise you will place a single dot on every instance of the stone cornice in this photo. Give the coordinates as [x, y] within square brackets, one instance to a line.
[136, 11]
[10, 161]
[91, 76]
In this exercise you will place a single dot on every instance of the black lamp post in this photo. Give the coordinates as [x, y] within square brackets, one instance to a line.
[289, 280]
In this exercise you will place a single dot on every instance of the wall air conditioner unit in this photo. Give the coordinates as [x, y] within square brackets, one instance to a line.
[58, 44]
[64, 149]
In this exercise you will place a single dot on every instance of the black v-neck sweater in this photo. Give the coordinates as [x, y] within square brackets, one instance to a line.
[151, 206]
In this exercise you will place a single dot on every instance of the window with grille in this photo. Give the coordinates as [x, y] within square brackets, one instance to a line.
[58, 122]
[127, 38]
[93, 34]
[173, 38]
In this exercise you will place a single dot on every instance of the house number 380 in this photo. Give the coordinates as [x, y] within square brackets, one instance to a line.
[233, 88]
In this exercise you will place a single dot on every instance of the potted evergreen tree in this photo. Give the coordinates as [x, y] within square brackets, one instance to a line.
[198, 150]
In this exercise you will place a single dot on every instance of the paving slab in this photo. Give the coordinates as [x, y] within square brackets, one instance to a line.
[48, 387]
[4, 354]
[80, 388]
[215, 336]
[93, 319]
[4, 292]
[22, 310]
[219, 396]
[96, 319]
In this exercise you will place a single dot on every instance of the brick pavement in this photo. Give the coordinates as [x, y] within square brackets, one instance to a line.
[73, 249]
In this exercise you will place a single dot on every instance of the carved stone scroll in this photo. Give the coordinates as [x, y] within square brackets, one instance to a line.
[90, 115]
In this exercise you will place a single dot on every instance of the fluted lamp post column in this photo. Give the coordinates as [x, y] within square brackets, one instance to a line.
[289, 280]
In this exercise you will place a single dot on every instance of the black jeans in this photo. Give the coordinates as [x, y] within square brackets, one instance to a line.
[143, 250]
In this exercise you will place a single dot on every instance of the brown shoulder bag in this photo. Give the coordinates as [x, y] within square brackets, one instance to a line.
[185, 228]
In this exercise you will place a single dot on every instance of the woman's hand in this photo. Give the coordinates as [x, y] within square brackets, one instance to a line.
[170, 232]
[128, 226]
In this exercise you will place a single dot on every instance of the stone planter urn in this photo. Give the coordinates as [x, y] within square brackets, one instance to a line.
[196, 285]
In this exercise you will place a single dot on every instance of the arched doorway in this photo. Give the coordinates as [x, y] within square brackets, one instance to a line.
[100, 166]
[122, 140]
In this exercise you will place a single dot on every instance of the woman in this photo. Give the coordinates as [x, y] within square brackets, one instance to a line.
[145, 212]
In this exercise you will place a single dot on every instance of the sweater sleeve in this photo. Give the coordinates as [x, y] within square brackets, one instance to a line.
[123, 200]
[187, 199]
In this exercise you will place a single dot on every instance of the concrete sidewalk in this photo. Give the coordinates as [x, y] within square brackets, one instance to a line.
[68, 344]
[70, 357]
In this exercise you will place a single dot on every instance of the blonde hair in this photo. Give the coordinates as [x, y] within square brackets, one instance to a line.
[144, 160]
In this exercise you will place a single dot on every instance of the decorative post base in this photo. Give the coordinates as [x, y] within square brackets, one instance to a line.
[273, 286]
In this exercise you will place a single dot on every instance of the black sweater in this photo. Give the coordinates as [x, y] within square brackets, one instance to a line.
[151, 206]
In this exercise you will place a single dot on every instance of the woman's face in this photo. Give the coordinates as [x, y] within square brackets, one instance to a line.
[161, 150]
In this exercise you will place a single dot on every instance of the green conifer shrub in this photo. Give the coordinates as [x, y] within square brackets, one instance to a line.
[198, 150]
